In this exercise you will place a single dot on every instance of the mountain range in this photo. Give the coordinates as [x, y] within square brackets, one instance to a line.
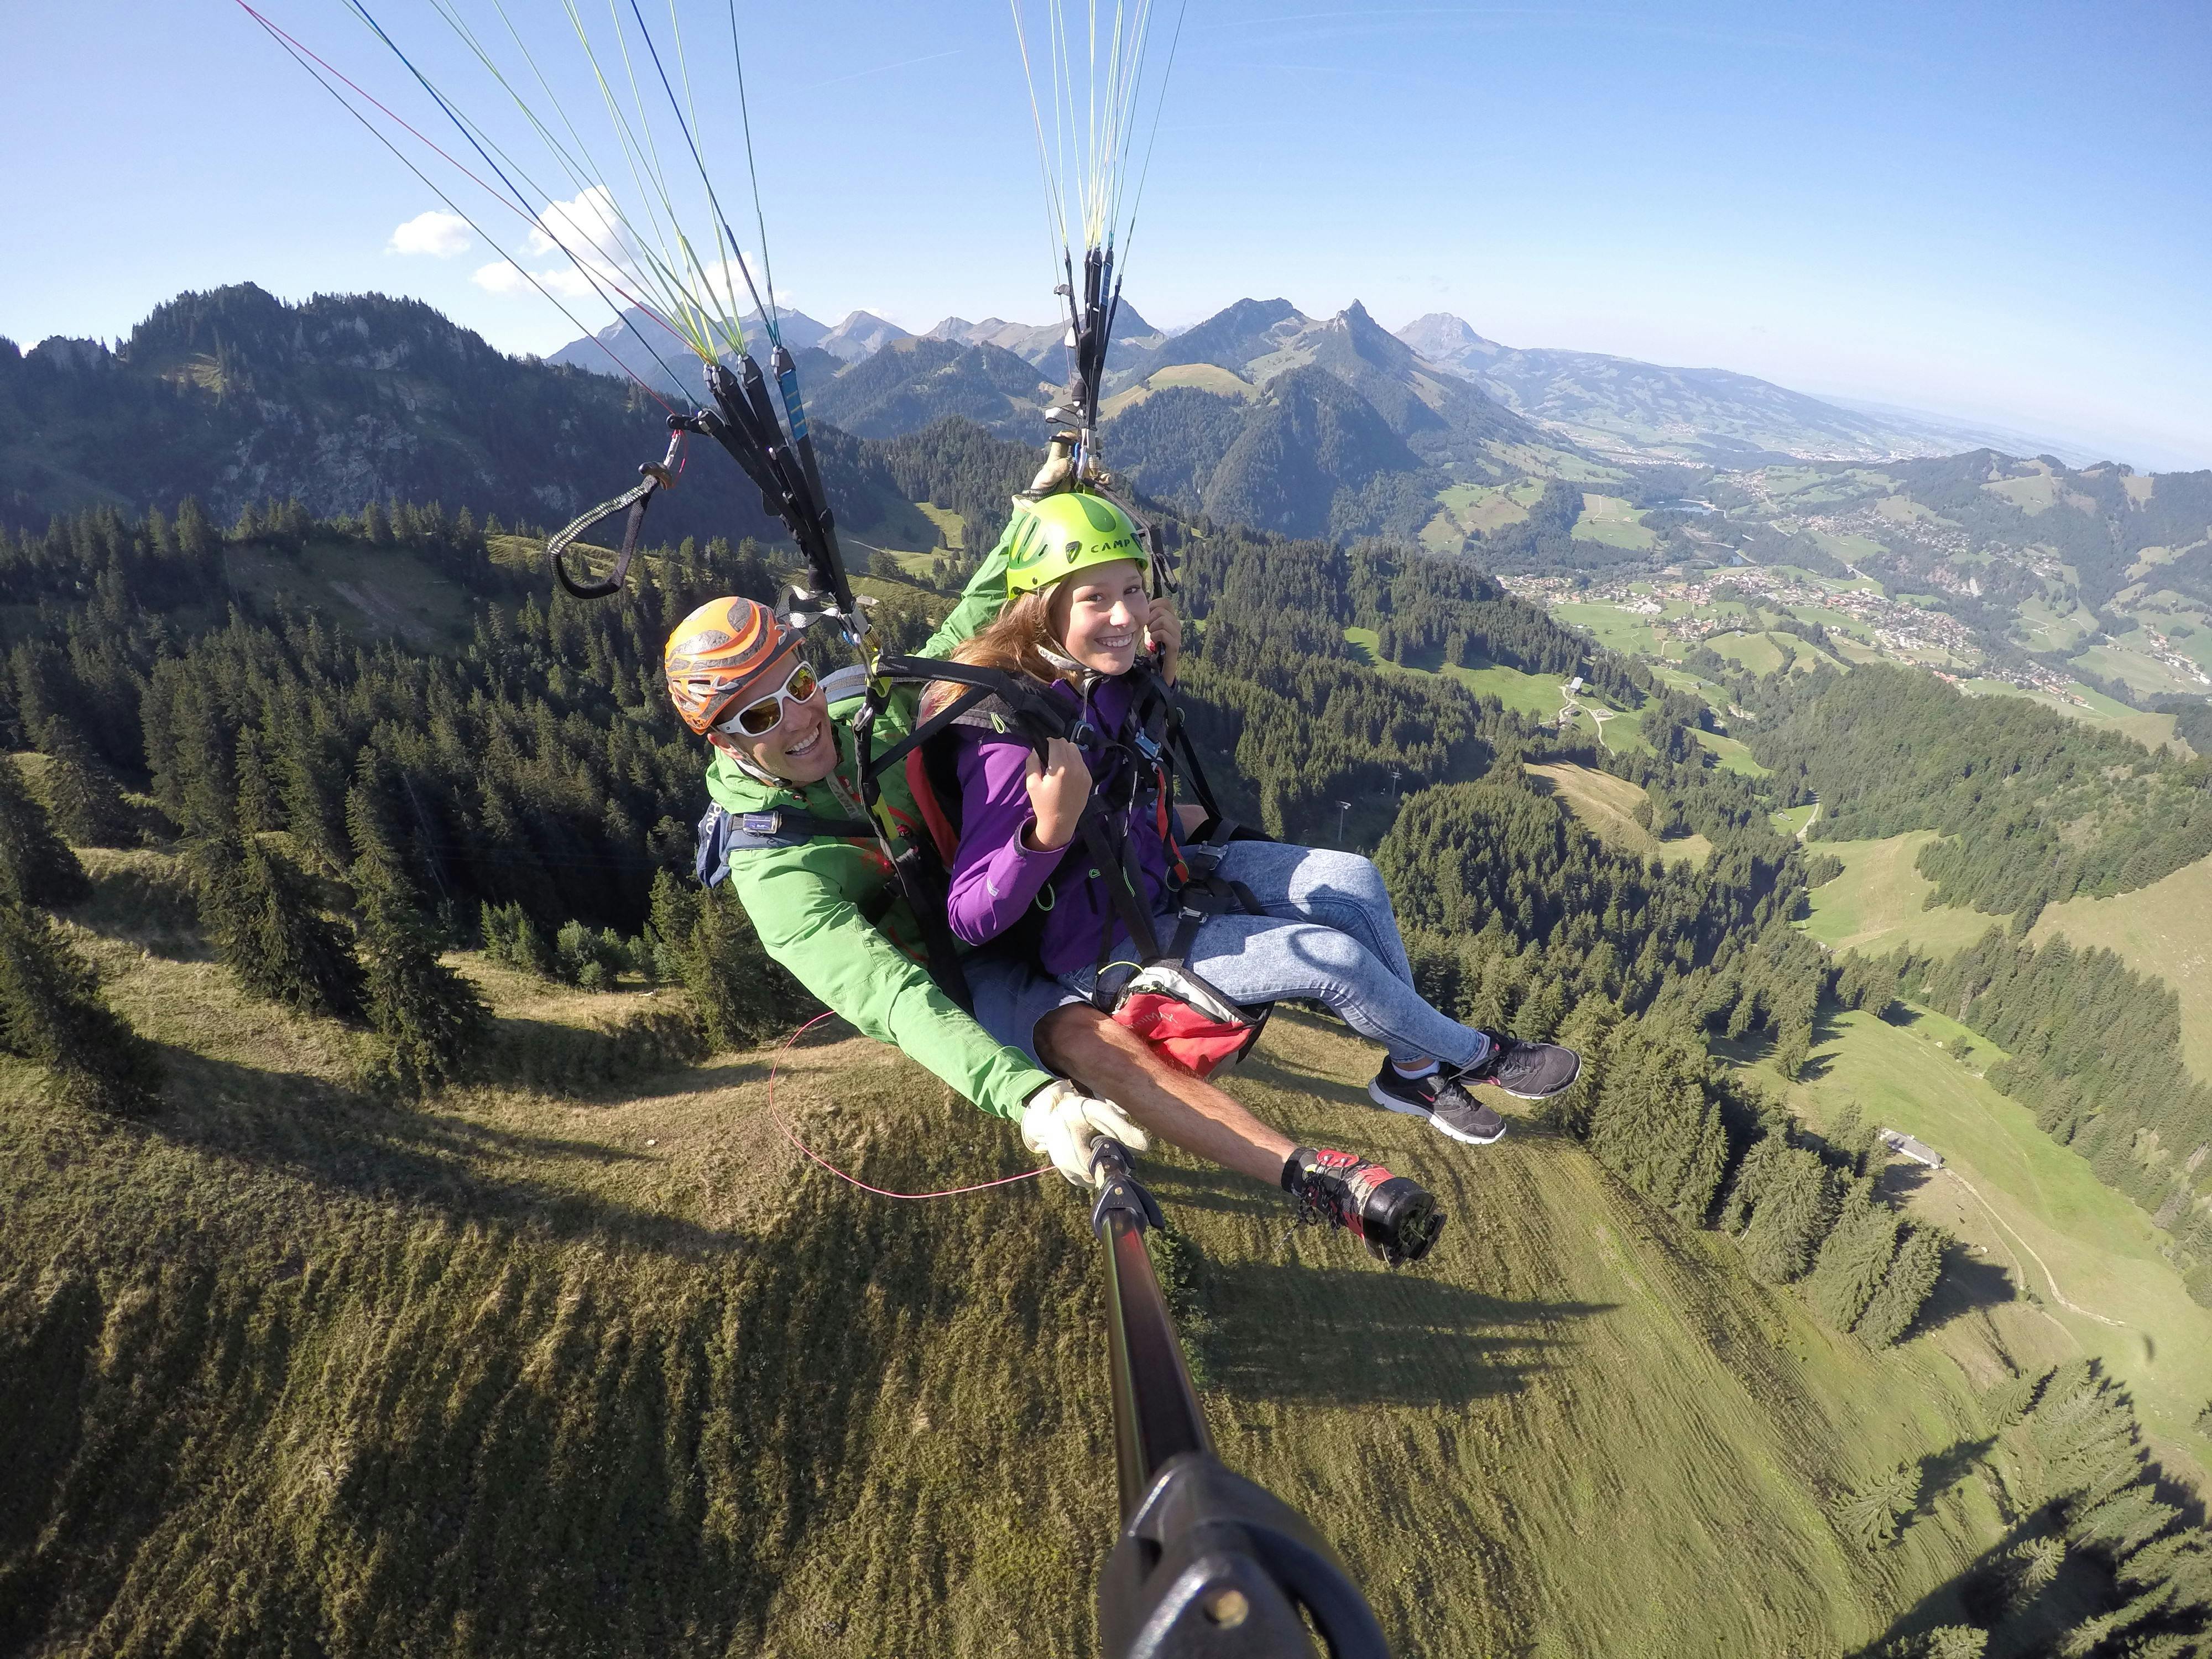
[1260, 414]
[1637, 412]
[234, 396]
[1615, 408]
[639, 344]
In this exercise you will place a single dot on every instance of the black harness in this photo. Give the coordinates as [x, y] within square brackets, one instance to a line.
[1154, 750]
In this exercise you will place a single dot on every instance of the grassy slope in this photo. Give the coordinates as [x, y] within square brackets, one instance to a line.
[2103, 1250]
[1606, 804]
[614, 1372]
[1539, 695]
[399, 594]
[1611, 519]
[1874, 906]
[2105, 713]
[1732, 754]
[2164, 929]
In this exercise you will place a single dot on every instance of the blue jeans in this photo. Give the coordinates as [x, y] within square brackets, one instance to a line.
[1329, 937]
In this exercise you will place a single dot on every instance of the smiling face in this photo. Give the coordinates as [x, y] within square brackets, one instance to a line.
[1099, 614]
[800, 750]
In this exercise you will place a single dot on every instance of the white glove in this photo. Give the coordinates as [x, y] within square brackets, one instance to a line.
[1062, 1124]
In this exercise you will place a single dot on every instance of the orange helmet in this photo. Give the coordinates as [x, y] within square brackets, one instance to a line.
[719, 652]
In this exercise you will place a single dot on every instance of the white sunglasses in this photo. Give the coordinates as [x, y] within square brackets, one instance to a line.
[758, 719]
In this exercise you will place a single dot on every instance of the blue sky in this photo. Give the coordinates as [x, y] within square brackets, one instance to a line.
[2001, 211]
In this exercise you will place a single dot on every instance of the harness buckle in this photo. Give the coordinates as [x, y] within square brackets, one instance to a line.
[1203, 859]
[762, 823]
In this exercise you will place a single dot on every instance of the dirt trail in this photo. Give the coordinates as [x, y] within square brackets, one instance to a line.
[2056, 1295]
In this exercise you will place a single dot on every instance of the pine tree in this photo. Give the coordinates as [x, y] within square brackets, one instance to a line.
[309, 784]
[1856, 1258]
[88, 807]
[509, 936]
[196, 536]
[1904, 1289]
[1956, 1642]
[267, 930]
[1849, 1139]
[427, 1014]
[1791, 1217]
[2008, 1401]
[1655, 1127]
[257, 807]
[1871, 1513]
[36, 866]
[742, 998]
[51, 1012]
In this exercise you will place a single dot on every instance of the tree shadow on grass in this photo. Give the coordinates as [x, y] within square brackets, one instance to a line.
[1940, 1471]
[1208, 1186]
[543, 1461]
[1351, 1336]
[351, 1143]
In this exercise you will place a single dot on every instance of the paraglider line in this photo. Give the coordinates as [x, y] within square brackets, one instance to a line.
[700, 162]
[303, 55]
[752, 171]
[776, 1118]
[362, 11]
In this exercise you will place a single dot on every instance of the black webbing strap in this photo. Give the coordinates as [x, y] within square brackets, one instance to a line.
[1122, 890]
[943, 719]
[1039, 715]
[918, 874]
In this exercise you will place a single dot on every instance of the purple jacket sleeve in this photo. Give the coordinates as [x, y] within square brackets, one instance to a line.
[994, 876]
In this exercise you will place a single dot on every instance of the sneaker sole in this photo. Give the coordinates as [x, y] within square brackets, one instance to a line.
[1493, 1083]
[1391, 1103]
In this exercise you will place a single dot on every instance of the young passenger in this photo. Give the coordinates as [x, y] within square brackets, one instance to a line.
[1079, 622]
[788, 833]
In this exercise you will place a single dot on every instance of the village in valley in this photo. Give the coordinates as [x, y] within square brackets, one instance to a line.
[1687, 606]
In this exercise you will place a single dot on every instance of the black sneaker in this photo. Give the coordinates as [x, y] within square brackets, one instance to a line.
[1439, 1097]
[1527, 1070]
[1399, 1218]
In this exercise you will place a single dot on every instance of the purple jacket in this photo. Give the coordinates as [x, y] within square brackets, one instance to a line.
[995, 877]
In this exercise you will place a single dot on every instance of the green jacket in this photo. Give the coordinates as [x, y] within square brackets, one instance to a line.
[810, 902]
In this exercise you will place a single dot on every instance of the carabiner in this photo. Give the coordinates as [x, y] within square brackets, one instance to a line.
[659, 475]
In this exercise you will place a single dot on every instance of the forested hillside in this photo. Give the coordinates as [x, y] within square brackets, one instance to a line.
[234, 398]
[421, 867]
[2034, 807]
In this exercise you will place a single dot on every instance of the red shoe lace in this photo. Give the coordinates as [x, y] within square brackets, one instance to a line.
[1360, 1179]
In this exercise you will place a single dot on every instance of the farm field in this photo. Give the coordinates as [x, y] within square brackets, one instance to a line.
[2164, 929]
[1612, 520]
[1606, 805]
[2102, 1251]
[1759, 654]
[2107, 713]
[1874, 907]
[1610, 625]
[1792, 819]
[1733, 754]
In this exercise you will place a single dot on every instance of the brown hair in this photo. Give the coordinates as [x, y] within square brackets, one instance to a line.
[1016, 642]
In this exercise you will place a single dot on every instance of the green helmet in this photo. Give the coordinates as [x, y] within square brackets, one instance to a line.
[1067, 533]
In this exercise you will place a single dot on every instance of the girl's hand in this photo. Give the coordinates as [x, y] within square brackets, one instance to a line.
[1165, 629]
[1059, 787]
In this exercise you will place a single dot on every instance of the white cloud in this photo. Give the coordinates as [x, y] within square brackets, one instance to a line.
[579, 248]
[438, 233]
[502, 276]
